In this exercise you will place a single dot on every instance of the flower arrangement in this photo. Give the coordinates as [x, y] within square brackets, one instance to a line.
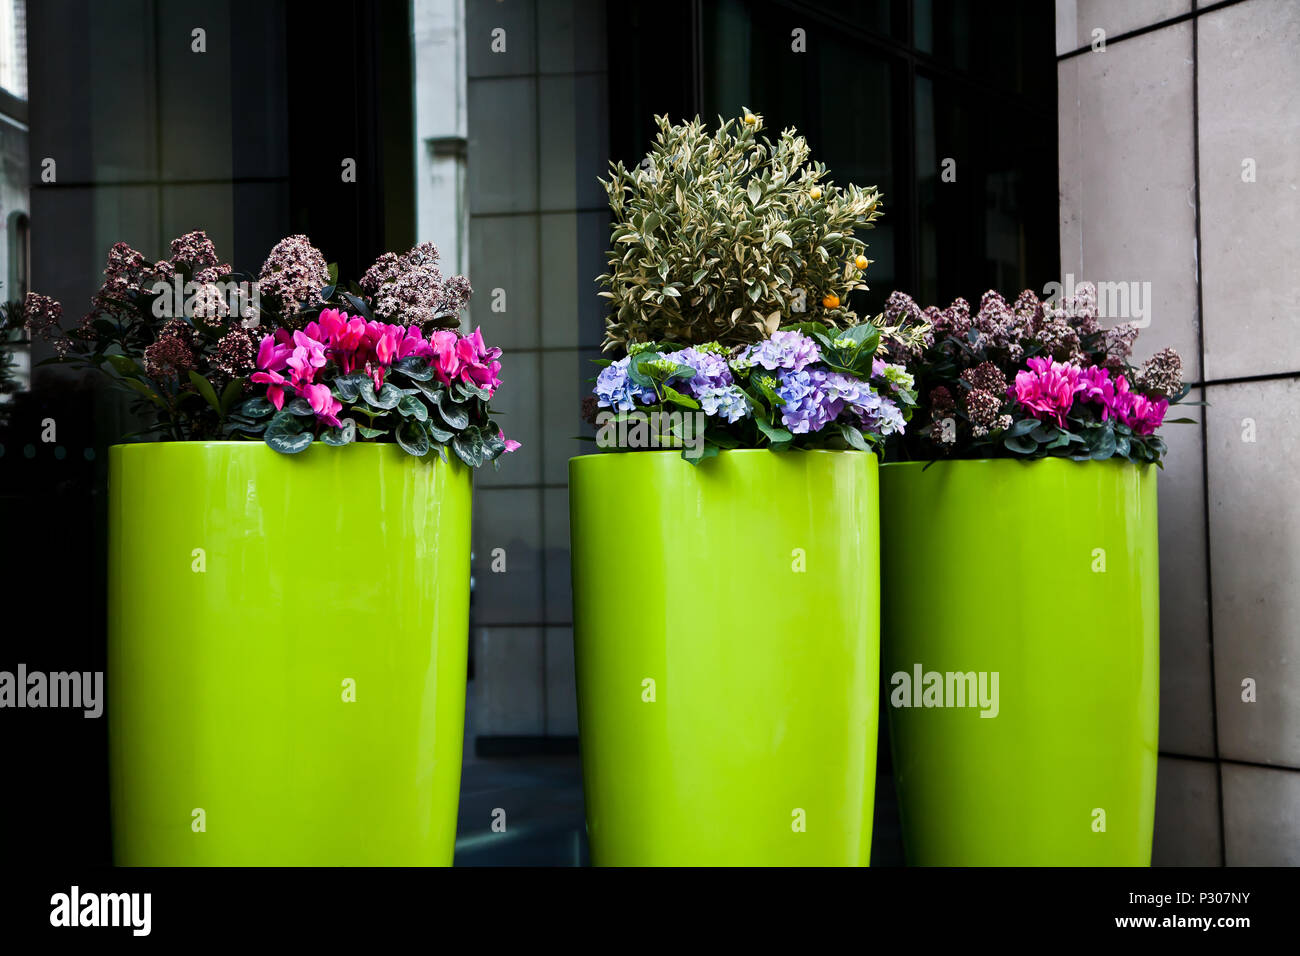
[1034, 379]
[731, 263]
[805, 387]
[292, 356]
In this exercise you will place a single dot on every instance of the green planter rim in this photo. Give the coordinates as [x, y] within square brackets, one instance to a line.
[1023, 462]
[677, 452]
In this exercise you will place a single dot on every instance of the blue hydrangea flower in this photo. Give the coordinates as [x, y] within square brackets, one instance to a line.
[726, 401]
[790, 350]
[615, 390]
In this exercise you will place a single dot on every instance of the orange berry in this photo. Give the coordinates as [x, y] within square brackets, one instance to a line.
[860, 262]
[831, 301]
[815, 192]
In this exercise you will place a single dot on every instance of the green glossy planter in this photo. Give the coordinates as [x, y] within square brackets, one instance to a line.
[226, 681]
[996, 566]
[759, 745]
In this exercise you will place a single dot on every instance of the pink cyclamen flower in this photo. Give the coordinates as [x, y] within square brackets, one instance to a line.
[480, 365]
[273, 353]
[511, 444]
[308, 355]
[1095, 385]
[386, 346]
[1142, 414]
[322, 402]
[413, 343]
[1047, 389]
[446, 361]
[273, 356]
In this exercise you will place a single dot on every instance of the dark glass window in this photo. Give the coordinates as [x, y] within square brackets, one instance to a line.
[948, 106]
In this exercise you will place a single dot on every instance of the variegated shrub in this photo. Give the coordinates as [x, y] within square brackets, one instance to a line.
[726, 236]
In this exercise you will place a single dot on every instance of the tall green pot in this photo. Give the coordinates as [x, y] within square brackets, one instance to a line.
[287, 642]
[1046, 575]
[726, 630]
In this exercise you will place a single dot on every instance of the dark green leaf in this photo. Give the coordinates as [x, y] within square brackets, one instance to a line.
[344, 435]
[137, 386]
[412, 437]
[286, 434]
[456, 416]
[436, 433]
[854, 437]
[387, 398]
[1020, 444]
[775, 434]
[347, 388]
[359, 307]
[414, 368]
[257, 407]
[468, 447]
[1104, 445]
[204, 388]
[677, 398]
[234, 388]
[412, 407]
[124, 365]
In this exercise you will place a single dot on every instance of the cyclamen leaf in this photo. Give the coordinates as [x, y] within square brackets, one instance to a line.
[1105, 446]
[436, 433]
[410, 435]
[348, 387]
[285, 434]
[1020, 444]
[257, 407]
[468, 448]
[386, 398]
[414, 368]
[455, 416]
[344, 435]
[410, 406]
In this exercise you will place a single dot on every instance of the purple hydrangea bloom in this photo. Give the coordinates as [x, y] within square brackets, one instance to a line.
[726, 401]
[879, 414]
[808, 406]
[615, 390]
[792, 351]
[711, 369]
[814, 399]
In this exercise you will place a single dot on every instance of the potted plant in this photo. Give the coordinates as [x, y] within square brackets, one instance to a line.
[1020, 642]
[288, 620]
[725, 605]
